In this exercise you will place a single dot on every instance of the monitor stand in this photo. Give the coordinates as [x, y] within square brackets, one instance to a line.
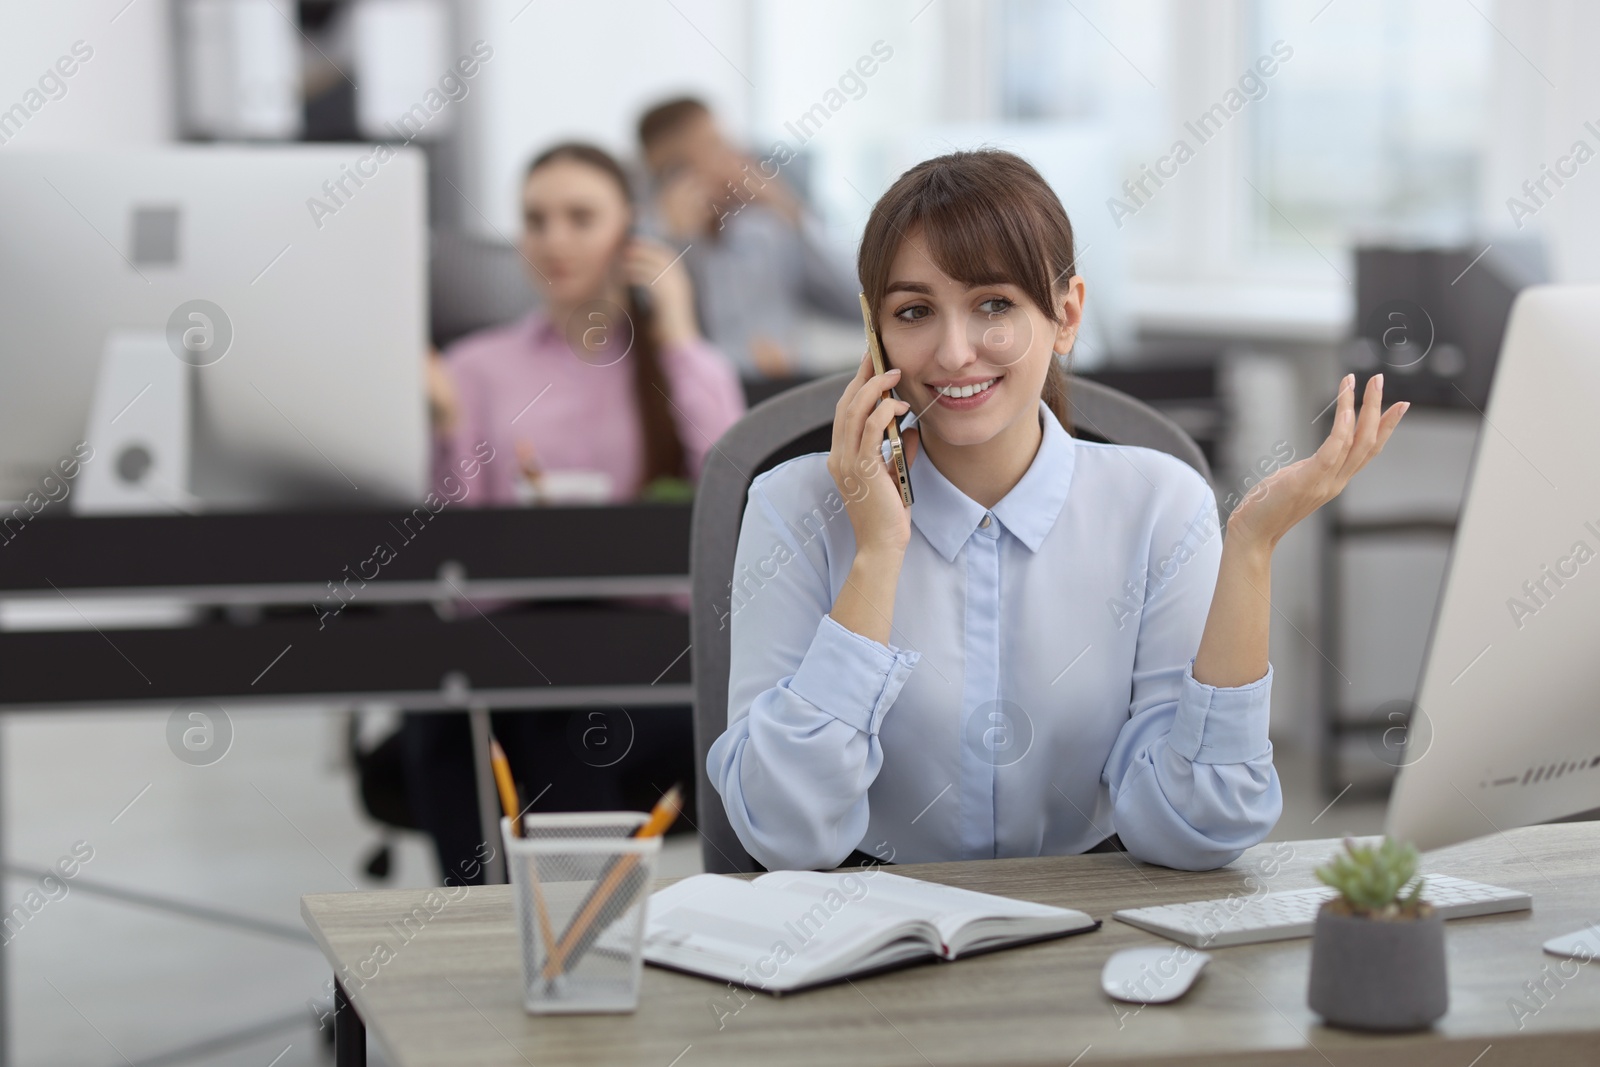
[139, 430]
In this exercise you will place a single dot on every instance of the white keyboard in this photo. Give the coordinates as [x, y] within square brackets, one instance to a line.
[1291, 913]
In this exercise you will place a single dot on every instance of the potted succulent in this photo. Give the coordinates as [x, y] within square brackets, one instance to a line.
[1377, 950]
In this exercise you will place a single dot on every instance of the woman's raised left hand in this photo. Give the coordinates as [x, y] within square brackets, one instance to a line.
[1276, 503]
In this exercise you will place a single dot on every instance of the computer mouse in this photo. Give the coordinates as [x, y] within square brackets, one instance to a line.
[1583, 945]
[1154, 974]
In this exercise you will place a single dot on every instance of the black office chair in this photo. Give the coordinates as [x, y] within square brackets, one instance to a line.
[789, 425]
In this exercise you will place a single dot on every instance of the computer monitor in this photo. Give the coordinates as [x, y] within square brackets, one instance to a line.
[315, 257]
[1506, 725]
[1433, 319]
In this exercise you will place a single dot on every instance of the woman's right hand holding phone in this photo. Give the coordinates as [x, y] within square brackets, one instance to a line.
[866, 481]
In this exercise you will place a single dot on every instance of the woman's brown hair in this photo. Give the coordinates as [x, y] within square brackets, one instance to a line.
[663, 448]
[986, 217]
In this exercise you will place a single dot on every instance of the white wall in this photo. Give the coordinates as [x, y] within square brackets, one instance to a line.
[586, 70]
[121, 96]
[1546, 88]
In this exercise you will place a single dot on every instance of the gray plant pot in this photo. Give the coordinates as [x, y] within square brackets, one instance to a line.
[1370, 974]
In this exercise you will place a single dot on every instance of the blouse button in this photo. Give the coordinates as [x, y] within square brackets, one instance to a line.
[986, 520]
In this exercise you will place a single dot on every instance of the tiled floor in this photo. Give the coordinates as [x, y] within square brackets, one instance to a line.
[98, 980]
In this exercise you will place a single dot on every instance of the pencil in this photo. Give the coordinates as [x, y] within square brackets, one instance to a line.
[582, 932]
[508, 788]
[508, 801]
[663, 814]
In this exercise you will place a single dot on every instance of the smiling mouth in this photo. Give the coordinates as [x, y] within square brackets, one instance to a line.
[957, 392]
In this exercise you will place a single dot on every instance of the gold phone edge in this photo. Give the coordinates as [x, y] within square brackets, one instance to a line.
[896, 449]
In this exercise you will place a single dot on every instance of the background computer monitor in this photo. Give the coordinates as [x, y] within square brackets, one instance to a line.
[1506, 727]
[315, 255]
[1432, 320]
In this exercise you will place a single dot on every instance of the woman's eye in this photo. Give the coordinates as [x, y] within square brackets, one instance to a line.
[912, 313]
[997, 305]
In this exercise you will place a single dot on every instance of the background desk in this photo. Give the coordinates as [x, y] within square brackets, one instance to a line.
[452, 994]
[390, 646]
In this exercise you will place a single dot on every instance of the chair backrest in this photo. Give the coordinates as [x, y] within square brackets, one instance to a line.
[792, 424]
[473, 283]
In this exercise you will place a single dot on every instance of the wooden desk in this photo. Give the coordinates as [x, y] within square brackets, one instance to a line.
[452, 993]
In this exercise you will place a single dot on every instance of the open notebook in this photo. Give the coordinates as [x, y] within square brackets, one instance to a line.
[789, 930]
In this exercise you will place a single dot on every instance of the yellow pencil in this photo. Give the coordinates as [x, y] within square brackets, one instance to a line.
[578, 937]
[663, 814]
[508, 788]
[508, 801]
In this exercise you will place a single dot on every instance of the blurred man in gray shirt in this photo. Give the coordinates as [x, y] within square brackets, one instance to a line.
[758, 258]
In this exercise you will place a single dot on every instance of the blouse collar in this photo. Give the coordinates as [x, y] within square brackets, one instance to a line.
[947, 517]
[543, 332]
[541, 329]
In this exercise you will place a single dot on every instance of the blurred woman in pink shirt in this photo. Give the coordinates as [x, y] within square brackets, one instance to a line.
[606, 393]
[609, 387]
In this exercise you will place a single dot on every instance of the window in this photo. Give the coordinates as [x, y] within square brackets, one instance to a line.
[1375, 127]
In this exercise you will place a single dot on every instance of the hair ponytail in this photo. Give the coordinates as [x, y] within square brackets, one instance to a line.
[663, 448]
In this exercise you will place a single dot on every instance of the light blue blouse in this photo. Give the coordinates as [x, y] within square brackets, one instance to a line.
[1038, 693]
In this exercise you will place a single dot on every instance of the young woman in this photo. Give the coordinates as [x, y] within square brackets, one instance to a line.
[596, 381]
[609, 384]
[1055, 647]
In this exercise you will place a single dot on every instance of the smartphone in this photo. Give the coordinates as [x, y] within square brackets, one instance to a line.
[640, 295]
[897, 453]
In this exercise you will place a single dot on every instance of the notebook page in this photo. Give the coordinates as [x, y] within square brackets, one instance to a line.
[947, 907]
[761, 936]
[851, 890]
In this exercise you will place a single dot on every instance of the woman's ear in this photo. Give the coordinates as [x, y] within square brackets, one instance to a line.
[1069, 313]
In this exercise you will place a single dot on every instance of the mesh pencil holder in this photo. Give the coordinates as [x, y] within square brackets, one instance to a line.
[581, 887]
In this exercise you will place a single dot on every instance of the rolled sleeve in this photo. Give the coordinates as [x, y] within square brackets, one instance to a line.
[1191, 775]
[851, 677]
[1221, 725]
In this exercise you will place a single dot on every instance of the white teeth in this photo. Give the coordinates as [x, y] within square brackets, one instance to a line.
[966, 390]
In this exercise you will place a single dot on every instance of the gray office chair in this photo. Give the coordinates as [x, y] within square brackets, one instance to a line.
[473, 282]
[793, 424]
